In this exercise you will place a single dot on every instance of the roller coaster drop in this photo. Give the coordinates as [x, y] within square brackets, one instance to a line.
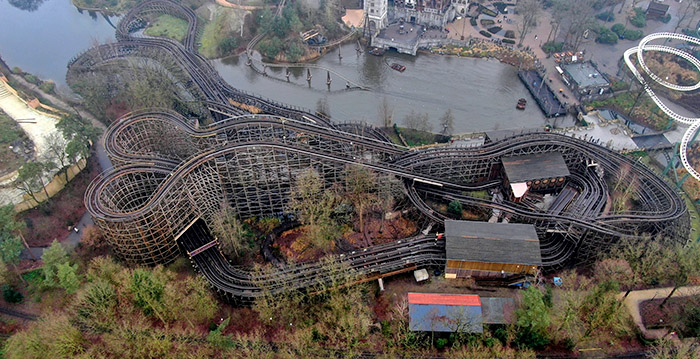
[171, 177]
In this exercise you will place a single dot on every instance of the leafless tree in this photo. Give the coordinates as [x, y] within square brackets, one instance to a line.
[418, 121]
[447, 122]
[386, 112]
[528, 10]
[56, 146]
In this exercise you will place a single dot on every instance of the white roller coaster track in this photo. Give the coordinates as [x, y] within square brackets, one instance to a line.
[694, 122]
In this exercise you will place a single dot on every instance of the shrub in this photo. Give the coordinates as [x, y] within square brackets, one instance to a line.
[472, 21]
[485, 33]
[51, 337]
[508, 41]
[47, 86]
[666, 18]
[639, 19]
[619, 86]
[619, 29]
[486, 22]
[608, 16]
[510, 34]
[440, 343]
[606, 36]
[495, 29]
[690, 32]
[551, 47]
[11, 295]
[31, 78]
[633, 34]
[16, 70]
[488, 12]
[455, 208]
[271, 47]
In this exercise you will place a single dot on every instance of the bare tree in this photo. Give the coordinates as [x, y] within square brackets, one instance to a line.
[229, 231]
[559, 9]
[617, 270]
[447, 122]
[386, 112]
[580, 17]
[359, 185]
[313, 205]
[418, 121]
[691, 8]
[56, 146]
[528, 10]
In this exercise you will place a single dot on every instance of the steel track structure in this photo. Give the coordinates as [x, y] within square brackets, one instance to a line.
[172, 176]
[639, 50]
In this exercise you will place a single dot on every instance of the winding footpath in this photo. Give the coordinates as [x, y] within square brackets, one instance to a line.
[636, 297]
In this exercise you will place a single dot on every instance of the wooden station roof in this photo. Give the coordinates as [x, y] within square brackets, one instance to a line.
[525, 168]
[510, 243]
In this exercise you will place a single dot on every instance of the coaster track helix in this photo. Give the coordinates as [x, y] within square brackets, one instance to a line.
[639, 50]
[171, 177]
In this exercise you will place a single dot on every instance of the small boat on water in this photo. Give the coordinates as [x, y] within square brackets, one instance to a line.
[521, 104]
[398, 67]
[376, 51]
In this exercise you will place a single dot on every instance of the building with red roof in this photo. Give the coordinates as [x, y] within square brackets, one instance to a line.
[431, 312]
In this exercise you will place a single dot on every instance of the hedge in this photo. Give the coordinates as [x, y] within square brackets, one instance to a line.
[552, 47]
[619, 29]
[508, 41]
[495, 29]
[488, 12]
[485, 33]
[606, 36]
[472, 21]
[486, 22]
[639, 19]
[608, 16]
[633, 34]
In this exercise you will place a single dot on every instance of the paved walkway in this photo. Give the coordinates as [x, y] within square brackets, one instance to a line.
[635, 298]
[74, 237]
[35, 124]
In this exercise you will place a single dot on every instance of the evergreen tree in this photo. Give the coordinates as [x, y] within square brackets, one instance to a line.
[53, 257]
[68, 277]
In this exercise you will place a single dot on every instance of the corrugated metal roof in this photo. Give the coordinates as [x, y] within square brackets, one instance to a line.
[443, 299]
[525, 168]
[445, 318]
[510, 243]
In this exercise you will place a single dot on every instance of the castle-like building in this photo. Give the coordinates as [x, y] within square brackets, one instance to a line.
[376, 14]
[423, 12]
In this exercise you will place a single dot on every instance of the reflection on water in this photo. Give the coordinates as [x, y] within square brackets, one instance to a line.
[481, 93]
[26, 5]
[42, 39]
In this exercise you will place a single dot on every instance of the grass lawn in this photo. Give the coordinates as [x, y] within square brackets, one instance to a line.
[9, 133]
[168, 26]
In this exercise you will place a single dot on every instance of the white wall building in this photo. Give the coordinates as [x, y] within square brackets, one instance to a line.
[376, 12]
